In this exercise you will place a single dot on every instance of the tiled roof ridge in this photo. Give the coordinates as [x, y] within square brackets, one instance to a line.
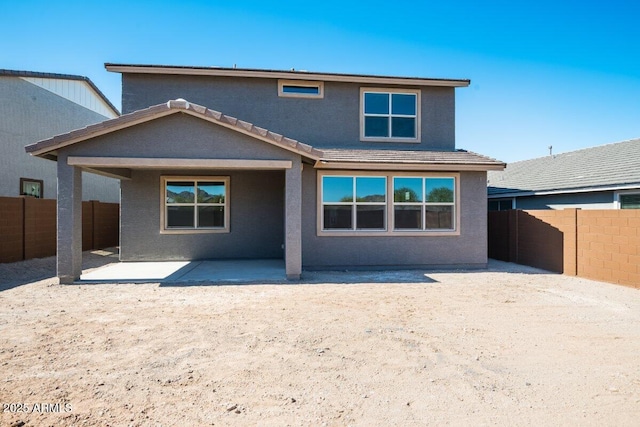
[89, 129]
[245, 127]
[169, 107]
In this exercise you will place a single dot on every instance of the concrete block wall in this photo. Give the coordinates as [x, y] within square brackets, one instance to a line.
[28, 227]
[11, 229]
[547, 239]
[39, 228]
[87, 226]
[106, 224]
[609, 246]
[601, 245]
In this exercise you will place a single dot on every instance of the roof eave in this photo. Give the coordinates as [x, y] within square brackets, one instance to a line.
[408, 166]
[51, 145]
[628, 186]
[290, 75]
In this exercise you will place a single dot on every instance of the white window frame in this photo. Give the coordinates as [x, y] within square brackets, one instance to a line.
[300, 83]
[195, 179]
[389, 213]
[424, 204]
[390, 92]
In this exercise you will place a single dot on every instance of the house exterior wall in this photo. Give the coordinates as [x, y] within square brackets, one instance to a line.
[180, 136]
[256, 198]
[29, 114]
[330, 122]
[469, 249]
[256, 204]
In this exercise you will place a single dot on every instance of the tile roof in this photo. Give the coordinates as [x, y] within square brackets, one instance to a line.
[19, 73]
[611, 165]
[335, 157]
[171, 107]
[412, 157]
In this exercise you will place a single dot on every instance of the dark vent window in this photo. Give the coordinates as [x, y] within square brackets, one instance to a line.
[630, 201]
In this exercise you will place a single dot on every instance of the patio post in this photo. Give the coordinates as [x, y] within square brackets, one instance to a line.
[293, 221]
[69, 240]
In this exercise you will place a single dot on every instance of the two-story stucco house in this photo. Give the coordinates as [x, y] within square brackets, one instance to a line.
[324, 170]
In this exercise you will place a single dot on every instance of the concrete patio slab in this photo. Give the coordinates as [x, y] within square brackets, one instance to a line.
[215, 271]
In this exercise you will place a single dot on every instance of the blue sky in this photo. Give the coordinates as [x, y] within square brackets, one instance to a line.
[560, 73]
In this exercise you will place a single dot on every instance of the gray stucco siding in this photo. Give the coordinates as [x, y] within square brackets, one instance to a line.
[29, 114]
[180, 136]
[330, 122]
[465, 250]
[256, 198]
[256, 224]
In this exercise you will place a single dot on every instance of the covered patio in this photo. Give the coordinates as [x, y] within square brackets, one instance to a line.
[178, 139]
[186, 272]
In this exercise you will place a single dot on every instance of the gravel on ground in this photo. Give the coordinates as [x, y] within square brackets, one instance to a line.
[511, 345]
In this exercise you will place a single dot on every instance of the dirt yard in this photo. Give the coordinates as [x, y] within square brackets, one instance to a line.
[508, 346]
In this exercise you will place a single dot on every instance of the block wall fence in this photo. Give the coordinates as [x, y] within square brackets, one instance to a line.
[28, 227]
[601, 245]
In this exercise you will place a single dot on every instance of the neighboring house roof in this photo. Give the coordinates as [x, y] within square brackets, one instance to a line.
[48, 147]
[611, 166]
[281, 74]
[327, 158]
[38, 75]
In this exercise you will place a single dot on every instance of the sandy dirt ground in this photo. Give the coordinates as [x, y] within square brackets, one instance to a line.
[507, 346]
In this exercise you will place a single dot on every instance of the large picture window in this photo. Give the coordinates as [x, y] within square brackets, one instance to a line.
[354, 203]
[197, 204]
[423, 203]
[389, 115]
[387, 203]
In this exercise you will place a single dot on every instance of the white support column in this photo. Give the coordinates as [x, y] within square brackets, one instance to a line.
[69, 243]
[293, 222]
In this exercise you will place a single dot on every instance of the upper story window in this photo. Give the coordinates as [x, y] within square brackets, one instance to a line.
[300, 89]
[390, 115]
